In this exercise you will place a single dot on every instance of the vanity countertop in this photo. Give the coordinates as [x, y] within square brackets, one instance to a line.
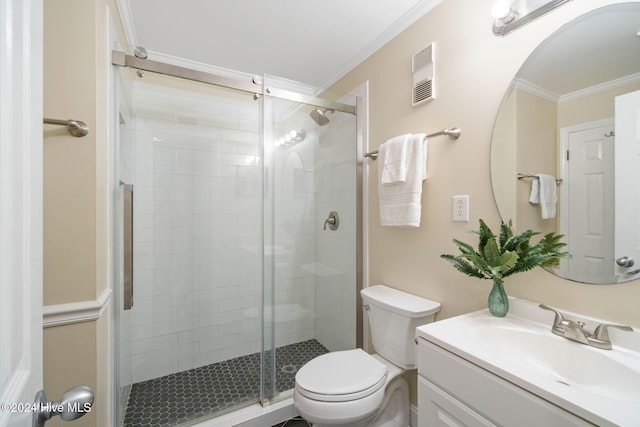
[600, 386]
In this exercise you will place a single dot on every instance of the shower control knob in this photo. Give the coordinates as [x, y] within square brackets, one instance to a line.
[625, 261]
[333, 220]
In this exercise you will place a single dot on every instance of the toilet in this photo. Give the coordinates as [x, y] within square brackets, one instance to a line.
[354, 388]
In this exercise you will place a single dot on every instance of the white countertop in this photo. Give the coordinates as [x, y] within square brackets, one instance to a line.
[521, 349]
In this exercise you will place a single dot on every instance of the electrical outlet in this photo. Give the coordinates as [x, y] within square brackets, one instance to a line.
[461, 208]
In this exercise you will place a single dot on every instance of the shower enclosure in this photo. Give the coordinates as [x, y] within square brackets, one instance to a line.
[237, 273]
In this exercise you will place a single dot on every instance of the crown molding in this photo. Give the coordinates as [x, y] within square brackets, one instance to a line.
[420, 9]
[559, 99]
[405, 21]
[535, 90]
[126, 18]
[602, 87]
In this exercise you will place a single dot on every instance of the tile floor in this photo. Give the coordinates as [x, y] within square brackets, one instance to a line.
[188, 395]
[294, 422]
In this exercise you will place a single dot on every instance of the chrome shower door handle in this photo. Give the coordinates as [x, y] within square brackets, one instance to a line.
[127, 207]
[333, 220]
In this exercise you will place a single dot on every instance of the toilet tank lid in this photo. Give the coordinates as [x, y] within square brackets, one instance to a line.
[398, 301]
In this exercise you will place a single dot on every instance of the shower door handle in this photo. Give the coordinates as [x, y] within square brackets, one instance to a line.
[127, 205]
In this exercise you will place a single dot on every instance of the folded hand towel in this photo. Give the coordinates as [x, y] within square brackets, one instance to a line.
[392, 158]
[544, 191]
[401, 201]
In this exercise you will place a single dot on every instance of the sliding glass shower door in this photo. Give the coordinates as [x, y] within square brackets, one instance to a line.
[192, 153]
[240, 275]
[310, 227]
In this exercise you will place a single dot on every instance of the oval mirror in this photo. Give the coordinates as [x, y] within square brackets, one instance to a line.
[565, 153]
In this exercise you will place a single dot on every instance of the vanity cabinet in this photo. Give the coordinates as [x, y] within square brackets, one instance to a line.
[454, 392]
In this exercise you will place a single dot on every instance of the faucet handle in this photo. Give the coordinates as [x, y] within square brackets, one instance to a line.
[557, 321]
[601, 332]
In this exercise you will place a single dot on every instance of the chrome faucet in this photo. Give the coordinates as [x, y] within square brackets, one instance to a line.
[574, 330]
[600, 338]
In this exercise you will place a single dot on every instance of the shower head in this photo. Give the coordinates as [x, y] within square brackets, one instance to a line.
[319, 115]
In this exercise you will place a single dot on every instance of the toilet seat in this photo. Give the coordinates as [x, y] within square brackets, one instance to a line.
[341, 376]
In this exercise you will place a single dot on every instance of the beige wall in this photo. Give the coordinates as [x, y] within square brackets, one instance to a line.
[537, 152]
[591, 108]
[503, 155]
[70, 354]
[535, 123]
[76, 200]
[474, 69]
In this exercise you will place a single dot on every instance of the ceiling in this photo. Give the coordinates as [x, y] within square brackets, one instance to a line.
[311, 42]
[318, 43]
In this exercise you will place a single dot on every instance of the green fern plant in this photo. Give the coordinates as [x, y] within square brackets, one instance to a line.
[500, 256]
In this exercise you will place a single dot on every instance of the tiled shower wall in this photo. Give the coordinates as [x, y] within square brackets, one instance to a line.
[192, 158]
[197, 226]
[335, 255]
[315, 272]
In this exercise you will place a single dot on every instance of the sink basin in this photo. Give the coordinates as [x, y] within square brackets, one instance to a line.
[602, 372]
[601, 386]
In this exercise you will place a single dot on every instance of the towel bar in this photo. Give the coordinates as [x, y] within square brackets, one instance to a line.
[75, 127]
[528, 175]
[453, 133]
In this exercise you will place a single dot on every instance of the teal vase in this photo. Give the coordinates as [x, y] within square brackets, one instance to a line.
[498, 301]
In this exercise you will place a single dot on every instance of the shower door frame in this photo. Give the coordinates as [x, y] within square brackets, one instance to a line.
[257, 89]
[254, 87]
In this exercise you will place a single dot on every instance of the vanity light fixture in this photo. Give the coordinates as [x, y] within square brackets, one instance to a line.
[511, 14]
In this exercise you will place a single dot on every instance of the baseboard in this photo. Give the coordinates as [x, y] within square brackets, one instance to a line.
[260, 416]
[75, 312]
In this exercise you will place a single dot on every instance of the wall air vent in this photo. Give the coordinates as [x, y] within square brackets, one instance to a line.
[423, 69]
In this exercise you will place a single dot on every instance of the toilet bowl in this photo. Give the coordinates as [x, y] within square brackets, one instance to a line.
[354, 388]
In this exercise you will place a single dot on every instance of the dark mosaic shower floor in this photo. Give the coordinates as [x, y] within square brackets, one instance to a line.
[188, 395]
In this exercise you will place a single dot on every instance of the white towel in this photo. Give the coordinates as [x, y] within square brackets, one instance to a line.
[401, 202]
[392, 158]
[534, 197]
[544, 192]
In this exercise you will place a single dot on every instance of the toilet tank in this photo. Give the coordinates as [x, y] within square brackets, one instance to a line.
[393, 318]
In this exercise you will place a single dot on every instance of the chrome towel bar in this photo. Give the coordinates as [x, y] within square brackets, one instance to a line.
[453, 133]
[528, 175]
[75, 127]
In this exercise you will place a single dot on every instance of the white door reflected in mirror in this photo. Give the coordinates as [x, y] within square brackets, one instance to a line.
[586, 196]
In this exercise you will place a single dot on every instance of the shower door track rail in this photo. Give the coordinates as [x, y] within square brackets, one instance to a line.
[255, 88]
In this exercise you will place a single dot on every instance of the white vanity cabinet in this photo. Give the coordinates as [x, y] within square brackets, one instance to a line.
[455, 392]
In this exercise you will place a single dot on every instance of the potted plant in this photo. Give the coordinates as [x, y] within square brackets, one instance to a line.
[501, 256]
